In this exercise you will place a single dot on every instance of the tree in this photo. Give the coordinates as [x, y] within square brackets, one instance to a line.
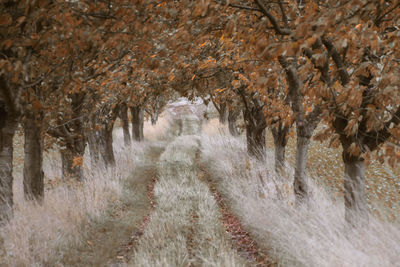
[351, 42]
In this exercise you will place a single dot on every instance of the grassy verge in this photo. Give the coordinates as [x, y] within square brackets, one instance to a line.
[312, 236]
[77, 222]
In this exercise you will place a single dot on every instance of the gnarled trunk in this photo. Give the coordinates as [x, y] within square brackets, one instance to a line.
[7, 130]
[232, 119]
[355, 200]
[125, 124]
[72, 159]
[279, 134]
[137, 123]
[33, 159]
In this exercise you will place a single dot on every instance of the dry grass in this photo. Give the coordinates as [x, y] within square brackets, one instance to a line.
[307, 236]
[185, 228]
[40, 234]
[326, 166]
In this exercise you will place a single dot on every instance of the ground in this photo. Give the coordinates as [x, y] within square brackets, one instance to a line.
[190, 196]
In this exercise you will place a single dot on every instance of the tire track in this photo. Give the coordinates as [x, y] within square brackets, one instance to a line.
[110, 242]
[185, 227]
[241, 239]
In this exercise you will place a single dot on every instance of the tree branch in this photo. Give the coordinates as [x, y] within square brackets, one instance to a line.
[272, 19]
[344, 76]
[244, 7]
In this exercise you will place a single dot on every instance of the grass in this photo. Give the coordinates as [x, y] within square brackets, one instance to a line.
[185, 228]
[325, 165]
[109, 239]
[306, 236]
[101, 221]
[44, 234]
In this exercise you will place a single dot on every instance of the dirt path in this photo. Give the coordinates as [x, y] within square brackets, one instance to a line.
[185, 228]
[171, 215]
[241, 239]
[109, 242]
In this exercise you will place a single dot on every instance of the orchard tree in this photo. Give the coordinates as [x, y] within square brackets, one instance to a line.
[351, 74]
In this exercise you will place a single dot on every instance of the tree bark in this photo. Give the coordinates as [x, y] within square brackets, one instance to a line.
[94, 142]
[137, 123]
[8, 126]
[154, 118]
[355, 200]
[72, 159]
[232, 119]
[254, 118]
[33, 159]
[107, 143]
[301, 189]
[222, 113]
[255, 135]
[305, 125]
[222, 110]
[279, 134]
[125, 124]
[256, 142]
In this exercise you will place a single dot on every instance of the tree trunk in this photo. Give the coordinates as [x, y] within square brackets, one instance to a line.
[33, 160]
[355, 200]
[254, 118]
[125, 124]
[279, 134]
[137, 123]
[222, 113]
[256, 143]
[72, 160]
[154, 118]
[107, 144]
[255, 134]
[300, 181]
[232, 118]
[7, 130]
[94, 142]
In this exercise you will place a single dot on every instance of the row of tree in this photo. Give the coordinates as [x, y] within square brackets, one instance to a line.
[69, 68]
[303, 63]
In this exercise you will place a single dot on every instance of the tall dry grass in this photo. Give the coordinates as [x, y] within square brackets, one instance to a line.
[315, 235]
[39, 235]
[185, 228]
